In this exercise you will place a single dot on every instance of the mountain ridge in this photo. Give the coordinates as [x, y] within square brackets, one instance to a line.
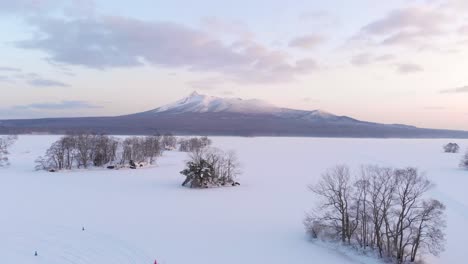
[210, 115]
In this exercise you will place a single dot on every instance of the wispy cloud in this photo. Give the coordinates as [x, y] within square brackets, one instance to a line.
[32, 79]
[408, 68]
[220, 26]
[307, 42]
[463, 89]
[62, 105]
[319, 18]
[406, 25]
[363, 59]
[42, 7]
[9, 69]
[39, 82]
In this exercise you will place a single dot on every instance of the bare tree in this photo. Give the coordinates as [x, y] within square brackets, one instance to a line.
[382, 208]
[141, 149]
[428, 229]
[153, 148]
[411, 186]
[104, 150]
[169, 141]
[84, 150]
[193, 144]
[335, 188]
[5, 143]
[382, 188]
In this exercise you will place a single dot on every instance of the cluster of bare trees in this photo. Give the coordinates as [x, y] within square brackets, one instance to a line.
[211, 167]
[5, 143]
[85, 150]
[381, 209]
[193, 144]
[141, 149]
[451, 148]
[169, 141]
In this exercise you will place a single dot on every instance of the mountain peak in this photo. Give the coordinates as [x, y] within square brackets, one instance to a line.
[200, 103]
[194, 93]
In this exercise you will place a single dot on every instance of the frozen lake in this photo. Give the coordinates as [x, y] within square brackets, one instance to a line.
[137, 216]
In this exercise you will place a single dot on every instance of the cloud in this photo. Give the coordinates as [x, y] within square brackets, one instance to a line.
[363, 59]
[385, 57]
[226, 27]
[110, 42]
[463, 89]
[5, 79]
[319, 18]
[32, 79]
[10, 69]
[408, 68]
[463, 30]
[39, 82]
[44, 7]
[19, 6]
[407, 25]
[206, 84]
[307, 41]
[63, 105]
[314, 15]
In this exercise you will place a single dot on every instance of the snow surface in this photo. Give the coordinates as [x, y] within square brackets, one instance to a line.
[137, 216]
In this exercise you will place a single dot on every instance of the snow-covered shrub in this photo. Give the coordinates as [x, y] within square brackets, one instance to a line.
[5, 143]
[317, 228]
[381, 209]
[451, 148]
[210, 167]
[464, 161]
[193, 144]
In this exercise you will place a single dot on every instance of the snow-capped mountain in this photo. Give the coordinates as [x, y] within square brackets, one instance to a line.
[199, 103]
[210, 115]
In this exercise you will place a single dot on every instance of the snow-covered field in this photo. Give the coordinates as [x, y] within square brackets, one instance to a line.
[137, 216]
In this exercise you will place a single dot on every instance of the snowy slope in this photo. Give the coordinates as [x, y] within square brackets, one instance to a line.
[136, 216]
[199, 103]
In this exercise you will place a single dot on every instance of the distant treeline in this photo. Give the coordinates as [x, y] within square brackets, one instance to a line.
[95, 150]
